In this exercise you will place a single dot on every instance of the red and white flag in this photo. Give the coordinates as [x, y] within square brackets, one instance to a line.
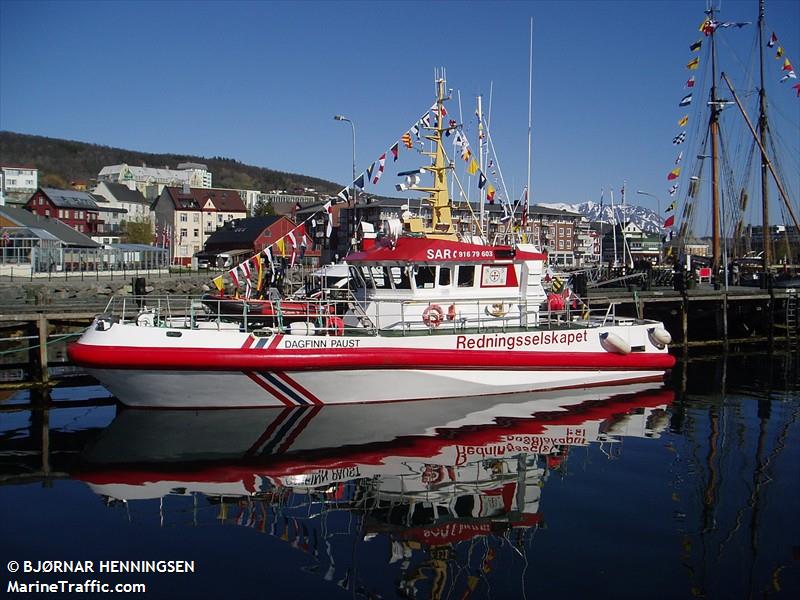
[381, 163]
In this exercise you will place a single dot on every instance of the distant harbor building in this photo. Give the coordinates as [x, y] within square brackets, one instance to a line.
[185, 217]
[151, 181]
[17, 183]
[73, 208]
[285, 204]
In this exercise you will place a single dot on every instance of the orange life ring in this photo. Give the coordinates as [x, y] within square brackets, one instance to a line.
[433, 315]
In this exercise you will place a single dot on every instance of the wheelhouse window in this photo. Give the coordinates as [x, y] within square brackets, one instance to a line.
[466, 275]
[425, 277]
[444, 276]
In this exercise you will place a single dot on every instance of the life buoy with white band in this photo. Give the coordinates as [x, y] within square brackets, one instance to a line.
[433, 315]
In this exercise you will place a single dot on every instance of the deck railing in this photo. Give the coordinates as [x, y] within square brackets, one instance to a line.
[340, 313]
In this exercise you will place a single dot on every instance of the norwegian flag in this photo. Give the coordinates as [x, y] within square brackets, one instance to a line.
[381, 163]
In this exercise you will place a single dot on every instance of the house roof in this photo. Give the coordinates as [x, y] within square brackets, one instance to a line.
[122, 193]
[240, 233]
[70, 198]
[68, 235]
[197, 198]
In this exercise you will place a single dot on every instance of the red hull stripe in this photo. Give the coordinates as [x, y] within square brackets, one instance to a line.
[286, 389]
[233, 359]
[271, 390]
[248, 342]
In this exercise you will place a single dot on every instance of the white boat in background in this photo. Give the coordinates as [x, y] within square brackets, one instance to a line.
[426, 315]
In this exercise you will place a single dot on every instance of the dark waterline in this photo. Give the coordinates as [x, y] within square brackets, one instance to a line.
[678, 491]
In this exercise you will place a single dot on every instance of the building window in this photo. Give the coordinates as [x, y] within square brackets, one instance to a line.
[196, 217]
[560, 244]
[569, 244]
[184, 233]
[560, 232]
[196, 232]
[184, 218]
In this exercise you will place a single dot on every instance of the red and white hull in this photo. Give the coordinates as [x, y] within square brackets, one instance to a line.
[195, 368]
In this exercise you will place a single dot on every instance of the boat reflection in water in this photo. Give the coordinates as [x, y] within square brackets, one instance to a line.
[440, 487]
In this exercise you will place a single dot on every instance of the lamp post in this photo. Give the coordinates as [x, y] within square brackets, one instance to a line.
[658, 208]
[350, 221]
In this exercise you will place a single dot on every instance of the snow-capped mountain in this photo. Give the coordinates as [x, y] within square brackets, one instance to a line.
[644, 218]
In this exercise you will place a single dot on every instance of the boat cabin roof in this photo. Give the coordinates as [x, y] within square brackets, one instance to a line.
[434, 251]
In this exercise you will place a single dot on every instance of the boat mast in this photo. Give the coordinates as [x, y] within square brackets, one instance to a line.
[762, 131]
[439, 199]
[714, 130]
[530, 104]
[480, 162]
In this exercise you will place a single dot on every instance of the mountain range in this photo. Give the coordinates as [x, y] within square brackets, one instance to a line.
[646, 219]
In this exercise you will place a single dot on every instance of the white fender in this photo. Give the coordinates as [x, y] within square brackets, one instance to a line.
[659, 336]
[301, 328]
[611, 342]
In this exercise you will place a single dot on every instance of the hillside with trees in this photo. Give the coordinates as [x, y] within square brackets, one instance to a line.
[63, 161]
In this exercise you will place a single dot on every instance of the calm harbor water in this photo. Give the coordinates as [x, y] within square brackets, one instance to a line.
[682, 490]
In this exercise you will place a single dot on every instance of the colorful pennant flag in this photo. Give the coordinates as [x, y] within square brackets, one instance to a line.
[679, 139]
[473, 167]
[796, 86]
[671, 207]
[669, 222]
[690, 82]
[369, 171]
[679, 158]
[234, 278]
[779, 52]
[245, 268]
[217, 281]
[673, 189]
[344, 195]
[359, 182]
[772, 40]
[407, 140]
[674, 174]
[696, 46]
[395, 150]
[787, 66]
[686, 100]
[481, 181]
[490, 193]
[381, 163]
[693, 64]
[683, 121]
[708, 26]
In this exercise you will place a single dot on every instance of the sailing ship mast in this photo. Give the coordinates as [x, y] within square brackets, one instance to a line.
[714, 131]
[762, 130]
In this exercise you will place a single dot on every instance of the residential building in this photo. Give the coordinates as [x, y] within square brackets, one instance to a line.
[151, 181]
[17, 183]
[73, 208]
[190, 215]
[135, 205]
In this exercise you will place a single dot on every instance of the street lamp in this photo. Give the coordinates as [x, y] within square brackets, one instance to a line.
[353, 128]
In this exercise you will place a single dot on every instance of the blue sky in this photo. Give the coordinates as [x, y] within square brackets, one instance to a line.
[261, 81]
